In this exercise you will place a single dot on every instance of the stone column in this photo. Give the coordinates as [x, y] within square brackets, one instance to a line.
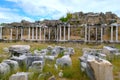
[60, 32]
[29, 34]
[89, 34]
[116, 33]
[64, 32]
[85, 33]
[17, 33]
[49, 33]
[40, 33]
[111, 33]
[36, 33]
[11, 34]
[96, 33]
[69, 32]
[21, 33]
[101, 34]
[44, 33]
[57, 33]
[0, 32]
[32, 32]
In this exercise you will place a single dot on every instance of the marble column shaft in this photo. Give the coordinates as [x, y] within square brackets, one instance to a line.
[64, 33]
[111, 33]
[116, 33]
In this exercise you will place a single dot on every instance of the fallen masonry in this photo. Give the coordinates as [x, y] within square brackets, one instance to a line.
[64, 61]
[19, 76]
[21, 57]
[17, 50]
[94, 63]
[111, 52]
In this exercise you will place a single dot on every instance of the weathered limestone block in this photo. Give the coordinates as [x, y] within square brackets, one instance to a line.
[4, 68]
[17, 50]
[52, 78]
[13, 65]
[64, 61]
[19, 76]
[31, 59]
[50, 58]
[40, 53]
[6, 49]
[22, 60]
[111, 52]
[37, 66]
[102, 69]
[49, 48]
[54, 53]
[71, 51]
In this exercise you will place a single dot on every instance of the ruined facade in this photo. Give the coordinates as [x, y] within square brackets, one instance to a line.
[87, 27]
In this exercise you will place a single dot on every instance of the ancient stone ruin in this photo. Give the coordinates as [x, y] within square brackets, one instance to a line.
[33, 63]
[94, 63]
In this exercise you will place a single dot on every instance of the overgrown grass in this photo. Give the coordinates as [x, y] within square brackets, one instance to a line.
[69, 73]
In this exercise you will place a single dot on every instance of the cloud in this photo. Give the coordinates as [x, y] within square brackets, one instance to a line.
[43, 7]
[54, 9]
[10, 15]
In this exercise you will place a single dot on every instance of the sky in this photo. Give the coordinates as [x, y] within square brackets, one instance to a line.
[34, 10]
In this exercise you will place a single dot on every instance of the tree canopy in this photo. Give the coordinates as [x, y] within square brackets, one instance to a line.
[65, 19]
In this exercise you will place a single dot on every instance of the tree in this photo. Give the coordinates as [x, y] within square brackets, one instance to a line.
[68, 17]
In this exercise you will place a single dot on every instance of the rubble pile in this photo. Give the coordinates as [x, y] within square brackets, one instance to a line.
[21, 57]
[94, 63]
